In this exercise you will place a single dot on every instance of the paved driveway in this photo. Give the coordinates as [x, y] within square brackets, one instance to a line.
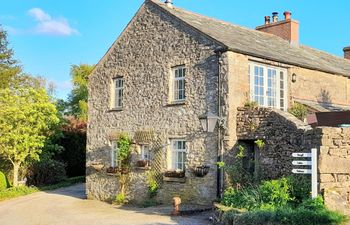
[67, 206]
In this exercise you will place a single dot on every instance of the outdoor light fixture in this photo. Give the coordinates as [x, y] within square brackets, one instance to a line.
[294, 77]
[208, 121]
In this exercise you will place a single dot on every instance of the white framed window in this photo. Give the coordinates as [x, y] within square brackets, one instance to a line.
[178, 154]
[114, 154]
[145, 152]
[118, 92]
[177, 87]
[268, 86]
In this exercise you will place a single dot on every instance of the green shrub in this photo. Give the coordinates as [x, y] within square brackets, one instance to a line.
[269, 195]
[299, 188]
[298, 110]
[3, 181]
[119, 199]
[46, 172]
[274, 193]
[285, 216]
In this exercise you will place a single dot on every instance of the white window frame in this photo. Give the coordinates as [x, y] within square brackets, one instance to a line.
[145, 152]
[175, 151]
[117, 93]
[279, 90]
[114, 153]
[175, 84]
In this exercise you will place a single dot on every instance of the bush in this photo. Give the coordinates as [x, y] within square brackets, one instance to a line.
[298, 110]
[46, 172]
[3, 181]
[119, 199]
[300, 188]
[269, 195]
[286, 216]
[274, 193]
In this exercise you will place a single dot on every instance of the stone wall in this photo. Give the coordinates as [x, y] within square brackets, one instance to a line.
[144, 54]
[334, 166]
[282, 133]
[285, 134]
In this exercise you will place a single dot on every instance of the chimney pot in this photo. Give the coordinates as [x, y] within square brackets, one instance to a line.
[267, 20]
[169, 3]
[287, 15]
[275, 17]
[347, 52]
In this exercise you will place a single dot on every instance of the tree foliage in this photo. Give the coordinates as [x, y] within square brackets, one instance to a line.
[26, 116]
[78, 98]
[9, 67]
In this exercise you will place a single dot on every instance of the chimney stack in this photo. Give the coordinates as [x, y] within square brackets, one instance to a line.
[169, 3]
[347, 52]
[287, 29]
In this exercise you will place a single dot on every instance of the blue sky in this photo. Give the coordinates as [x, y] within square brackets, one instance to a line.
[48, 36]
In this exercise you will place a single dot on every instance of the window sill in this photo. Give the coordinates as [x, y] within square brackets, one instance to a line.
[178, 103]
[143, 168]
[174, 179]
[115, 110]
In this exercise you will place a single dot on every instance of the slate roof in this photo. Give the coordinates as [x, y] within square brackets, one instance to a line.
[259, 44]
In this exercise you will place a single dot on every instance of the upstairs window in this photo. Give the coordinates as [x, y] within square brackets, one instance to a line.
[268, 86]
[177, 87]
[118, 84]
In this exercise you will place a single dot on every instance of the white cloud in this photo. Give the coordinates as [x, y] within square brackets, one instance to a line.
[49, 25]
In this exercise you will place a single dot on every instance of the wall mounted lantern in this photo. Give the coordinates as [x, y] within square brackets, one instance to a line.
[294, 77]
[208, 121]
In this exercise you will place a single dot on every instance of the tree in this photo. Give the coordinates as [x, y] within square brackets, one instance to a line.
[77, 100]
[26, 116]
[9, 67]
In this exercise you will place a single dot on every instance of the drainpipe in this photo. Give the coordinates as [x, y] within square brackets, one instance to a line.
[220, 152]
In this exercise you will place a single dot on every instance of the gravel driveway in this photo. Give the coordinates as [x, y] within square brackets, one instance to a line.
[67, 206]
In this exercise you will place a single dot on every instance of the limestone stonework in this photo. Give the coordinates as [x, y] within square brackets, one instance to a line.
[283, 134]
[144, 54]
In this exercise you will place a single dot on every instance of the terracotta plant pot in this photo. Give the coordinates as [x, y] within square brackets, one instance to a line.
[142, 163]
[175, 174]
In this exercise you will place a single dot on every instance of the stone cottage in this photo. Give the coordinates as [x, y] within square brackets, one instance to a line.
[176, 81]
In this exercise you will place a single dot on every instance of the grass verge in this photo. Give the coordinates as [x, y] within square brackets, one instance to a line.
[14, 192]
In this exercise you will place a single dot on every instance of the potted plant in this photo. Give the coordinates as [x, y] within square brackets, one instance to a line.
[112, 170]
[201, 171]
[175, 173]
[142, 163]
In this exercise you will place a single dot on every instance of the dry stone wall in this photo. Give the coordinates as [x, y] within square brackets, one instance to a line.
[144, 54]
[284, 134]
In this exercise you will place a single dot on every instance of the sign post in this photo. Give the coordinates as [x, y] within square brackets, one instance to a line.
[312, 171]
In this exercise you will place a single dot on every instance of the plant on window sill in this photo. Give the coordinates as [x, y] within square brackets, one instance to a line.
[113, 170]
[142, 163]
[175, 174]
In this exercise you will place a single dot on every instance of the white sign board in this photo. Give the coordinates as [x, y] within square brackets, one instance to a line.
[302, 155]
[302, 171]
[302, 163]
[312, 171]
